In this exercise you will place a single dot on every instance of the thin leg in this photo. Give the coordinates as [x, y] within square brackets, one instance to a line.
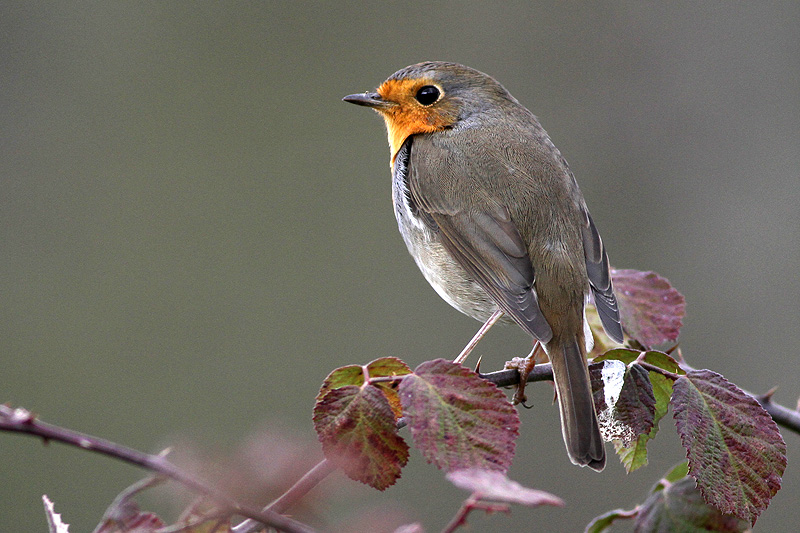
[478, 336]
[525, 367]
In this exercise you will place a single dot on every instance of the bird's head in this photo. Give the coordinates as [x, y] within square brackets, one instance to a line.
[428, 97]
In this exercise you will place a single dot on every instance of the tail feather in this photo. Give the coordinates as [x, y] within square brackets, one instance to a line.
[578, 420]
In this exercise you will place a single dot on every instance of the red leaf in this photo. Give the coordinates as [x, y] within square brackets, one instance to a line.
[624, 400]
[356, 427]
[735, 451]
[651, 309]
[457, 419]
[634, 454]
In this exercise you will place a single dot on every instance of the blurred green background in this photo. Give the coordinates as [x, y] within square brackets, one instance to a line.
[196, 230]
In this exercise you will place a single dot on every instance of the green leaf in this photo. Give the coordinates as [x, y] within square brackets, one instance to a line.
[626, 355]
[603, 522]
[202, 516]
[457, 419]
[678, 472]
[351, 375]
[356, 427]
[663, 361]
[650, 308]
[634, 455]
[389, 367]
[654, 357]
[679, 506]
[735, 451]
[356, 375]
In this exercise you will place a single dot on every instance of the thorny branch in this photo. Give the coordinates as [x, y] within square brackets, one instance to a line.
[783, 416]
[22, 421]
[18, 420]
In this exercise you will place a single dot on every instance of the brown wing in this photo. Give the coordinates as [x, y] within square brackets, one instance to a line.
[600, 279]
[483, 239]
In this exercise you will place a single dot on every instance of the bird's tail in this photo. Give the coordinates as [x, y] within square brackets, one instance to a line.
[578, 420]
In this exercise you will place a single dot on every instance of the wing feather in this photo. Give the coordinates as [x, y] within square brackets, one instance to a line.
[600, 279]
[484, 240]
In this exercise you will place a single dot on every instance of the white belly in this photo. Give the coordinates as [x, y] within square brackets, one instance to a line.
[446, 276]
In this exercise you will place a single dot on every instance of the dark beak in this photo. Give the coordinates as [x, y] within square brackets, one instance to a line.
[372, 100]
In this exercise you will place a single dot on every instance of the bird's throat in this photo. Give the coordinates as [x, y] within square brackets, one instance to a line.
[400, 126]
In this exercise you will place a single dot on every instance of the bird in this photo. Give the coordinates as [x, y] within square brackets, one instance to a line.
[495, 220]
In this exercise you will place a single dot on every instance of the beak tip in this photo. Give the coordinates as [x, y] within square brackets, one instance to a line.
[366, 99]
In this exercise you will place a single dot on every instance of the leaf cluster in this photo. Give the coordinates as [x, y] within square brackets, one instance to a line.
[457, 420]
[460, 420]
[463, 423]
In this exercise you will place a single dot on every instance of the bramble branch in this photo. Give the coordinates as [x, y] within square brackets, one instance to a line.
[18, 420]
[783, 416]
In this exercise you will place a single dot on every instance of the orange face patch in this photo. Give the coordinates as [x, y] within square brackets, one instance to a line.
[408, 116]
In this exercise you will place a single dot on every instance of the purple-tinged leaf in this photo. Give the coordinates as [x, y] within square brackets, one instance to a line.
[650, 308]
[735, 451]
[636, 405]
[633, 455]
[679, 506]
[457, 419]
[495, 486]
[138, 522]
[624, 401]
[356, 427]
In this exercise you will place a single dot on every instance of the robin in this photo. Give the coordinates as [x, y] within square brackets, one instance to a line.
[494, 219]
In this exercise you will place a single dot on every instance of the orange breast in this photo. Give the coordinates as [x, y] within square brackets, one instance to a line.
[401, 125]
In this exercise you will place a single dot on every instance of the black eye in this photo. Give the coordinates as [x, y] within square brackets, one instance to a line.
[427, 95]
